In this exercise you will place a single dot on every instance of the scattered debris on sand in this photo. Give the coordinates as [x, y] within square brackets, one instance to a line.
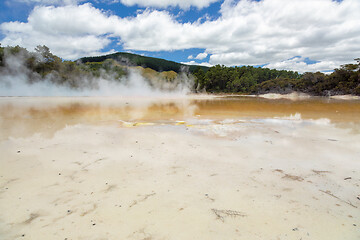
[342, 200]
[221, 214]
[145, 197]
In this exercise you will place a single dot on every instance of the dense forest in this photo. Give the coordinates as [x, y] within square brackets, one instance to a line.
[43, 65]
[247, 79]
[156, 64]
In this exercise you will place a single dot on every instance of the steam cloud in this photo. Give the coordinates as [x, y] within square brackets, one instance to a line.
[17, 80]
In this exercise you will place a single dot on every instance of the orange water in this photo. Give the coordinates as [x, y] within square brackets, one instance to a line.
[25, 115]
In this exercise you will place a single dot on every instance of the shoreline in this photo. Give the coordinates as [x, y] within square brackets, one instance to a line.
[291, 96]
[179, 169]
[271, 95]
[148, 184]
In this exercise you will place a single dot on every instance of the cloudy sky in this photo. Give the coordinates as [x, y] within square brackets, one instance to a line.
[300, 35]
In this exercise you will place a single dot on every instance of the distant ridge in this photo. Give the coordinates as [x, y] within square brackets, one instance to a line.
[157, 64]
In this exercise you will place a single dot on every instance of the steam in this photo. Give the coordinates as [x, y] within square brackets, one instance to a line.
[17, 80]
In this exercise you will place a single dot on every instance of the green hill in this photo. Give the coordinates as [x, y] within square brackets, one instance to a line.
[42, 65]
[156, 64]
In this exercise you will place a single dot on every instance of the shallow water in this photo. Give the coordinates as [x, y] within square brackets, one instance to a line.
[21, 116]
[200, 167]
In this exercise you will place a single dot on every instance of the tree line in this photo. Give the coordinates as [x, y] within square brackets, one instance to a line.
[42, 64]
[251, 80]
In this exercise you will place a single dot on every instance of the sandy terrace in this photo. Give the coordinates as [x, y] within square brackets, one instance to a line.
[244, 180]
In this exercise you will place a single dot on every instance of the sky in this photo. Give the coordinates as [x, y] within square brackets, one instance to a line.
[299, 35]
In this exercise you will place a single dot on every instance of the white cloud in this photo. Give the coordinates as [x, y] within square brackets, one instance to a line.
[300, 65]
[256, 33]
[184, 4]
[206, 64]
[201, 56]
[53, 2]
[247, 32]
[70, 31]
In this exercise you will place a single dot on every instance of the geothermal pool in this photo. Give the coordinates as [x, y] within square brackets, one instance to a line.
[194, 167]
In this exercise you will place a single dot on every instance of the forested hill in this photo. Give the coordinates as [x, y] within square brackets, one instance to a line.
[42, 65]
[156, 64]
[248, 79]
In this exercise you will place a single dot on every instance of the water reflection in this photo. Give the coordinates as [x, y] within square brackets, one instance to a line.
[22, 117]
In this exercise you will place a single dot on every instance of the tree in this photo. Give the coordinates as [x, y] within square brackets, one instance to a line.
[47, 61]
[199, 75]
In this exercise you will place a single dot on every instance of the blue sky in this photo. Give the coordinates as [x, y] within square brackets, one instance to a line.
[20, 10]
[300, 35]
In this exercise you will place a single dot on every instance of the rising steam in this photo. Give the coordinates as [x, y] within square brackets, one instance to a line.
[16, 79]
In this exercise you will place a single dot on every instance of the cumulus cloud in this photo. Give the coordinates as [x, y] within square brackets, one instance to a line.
[184, 4]
[201, 56]
[206, 64]
[247, 32]
[69, 31]
[299, 63]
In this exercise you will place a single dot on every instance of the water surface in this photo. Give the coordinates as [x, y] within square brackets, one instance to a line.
[21, 116]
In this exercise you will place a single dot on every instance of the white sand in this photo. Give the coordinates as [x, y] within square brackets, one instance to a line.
[271, 179]
[345, 97]
[291, 96]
